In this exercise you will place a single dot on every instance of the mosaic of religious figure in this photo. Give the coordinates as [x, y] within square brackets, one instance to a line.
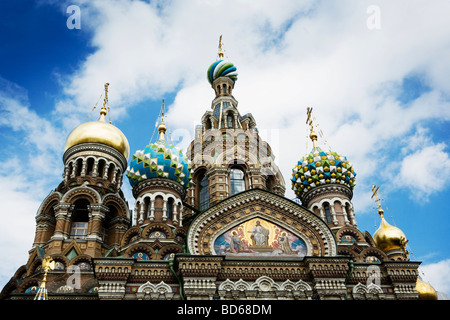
[258, 237]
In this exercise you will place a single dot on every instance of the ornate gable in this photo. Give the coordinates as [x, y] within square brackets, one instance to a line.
[260, 223]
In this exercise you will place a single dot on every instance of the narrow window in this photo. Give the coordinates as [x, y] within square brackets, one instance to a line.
[80, 220]
[230, 120]
[204, 193]
[237, 181]
[170, 209]
[326, 206]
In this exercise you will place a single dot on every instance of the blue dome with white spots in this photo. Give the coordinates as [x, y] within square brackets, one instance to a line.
[221, 68]
[159, 160]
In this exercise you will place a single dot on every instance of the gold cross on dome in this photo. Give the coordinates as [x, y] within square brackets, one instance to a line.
[220, 48]
[375, 195]
[309, 118]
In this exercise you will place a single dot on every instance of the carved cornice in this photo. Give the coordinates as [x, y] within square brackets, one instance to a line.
[155, 183]
[322, 190]
[97, 147]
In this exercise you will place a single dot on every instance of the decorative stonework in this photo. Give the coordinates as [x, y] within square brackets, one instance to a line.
[265, 288]
[95, 149]
[258, 203]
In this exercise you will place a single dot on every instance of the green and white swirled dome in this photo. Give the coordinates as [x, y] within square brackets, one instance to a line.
[321, 168]
[221, 68]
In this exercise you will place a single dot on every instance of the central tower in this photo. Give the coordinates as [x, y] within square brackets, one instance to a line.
[227, 154]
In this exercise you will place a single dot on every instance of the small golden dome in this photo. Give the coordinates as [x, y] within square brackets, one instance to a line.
[425, 290]
[388, 237]
[99, 132]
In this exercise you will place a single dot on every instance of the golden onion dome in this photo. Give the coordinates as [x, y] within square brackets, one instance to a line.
[99, 132]
[425, 290]
[388, 237]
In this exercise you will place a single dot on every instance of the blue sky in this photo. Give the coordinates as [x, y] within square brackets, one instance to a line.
[376, 77]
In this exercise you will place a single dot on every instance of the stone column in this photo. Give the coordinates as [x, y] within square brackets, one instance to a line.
[105, 171]
[152, 209]
[83, 168]
[96, 217]
[164, 216]
[95, 168]
[62, 214]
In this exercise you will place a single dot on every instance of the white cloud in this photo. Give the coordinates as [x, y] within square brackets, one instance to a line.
[29, 168]
[424, 170]
[290, 55]
[438, 275]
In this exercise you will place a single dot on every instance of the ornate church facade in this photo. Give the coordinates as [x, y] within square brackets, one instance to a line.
[213, 223]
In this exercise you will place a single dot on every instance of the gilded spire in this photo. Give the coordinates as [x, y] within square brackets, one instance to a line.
[375, 195]
[47, 265]
[220, 54]
[103, 111]
[312, 135]
[162, 127]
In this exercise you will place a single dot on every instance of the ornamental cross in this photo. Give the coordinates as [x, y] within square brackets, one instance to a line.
[105, 101]
[220, 47]
[375, 195]
[309, 119]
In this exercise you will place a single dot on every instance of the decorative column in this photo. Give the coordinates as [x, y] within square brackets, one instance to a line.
[180, 224]
[105, 172]
[333, 215]
[62, 214]
[322, 214]
[74, 169]
[152, 209]
[83, 168]
[96, 216]
[164, 216]
[344, 212]
[174, 213]
[95, 168]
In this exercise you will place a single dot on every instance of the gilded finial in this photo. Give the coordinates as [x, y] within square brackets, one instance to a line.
[220, 54]
[162, 127]
[103, 111]
[47, 264]
[309, 121]
[377, 200]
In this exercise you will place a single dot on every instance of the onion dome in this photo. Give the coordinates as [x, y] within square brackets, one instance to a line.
[425, 290]
[321, 168]
[99, 132]
[221, 68]
[159, 160]
[388, 237]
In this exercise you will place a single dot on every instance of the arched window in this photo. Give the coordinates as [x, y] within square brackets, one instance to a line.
[326, 206]
[80, 219]
[230, 120]
[170, 209]
[90, 166]
[208, 124]
[111, 169]
[237, 181]
[147, 207]
[268, 184]
[203, 192]
[79, 165]
[101, 167]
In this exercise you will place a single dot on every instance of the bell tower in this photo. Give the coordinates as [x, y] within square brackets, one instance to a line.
[324, 181]
[87, 213]
[227, 154]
